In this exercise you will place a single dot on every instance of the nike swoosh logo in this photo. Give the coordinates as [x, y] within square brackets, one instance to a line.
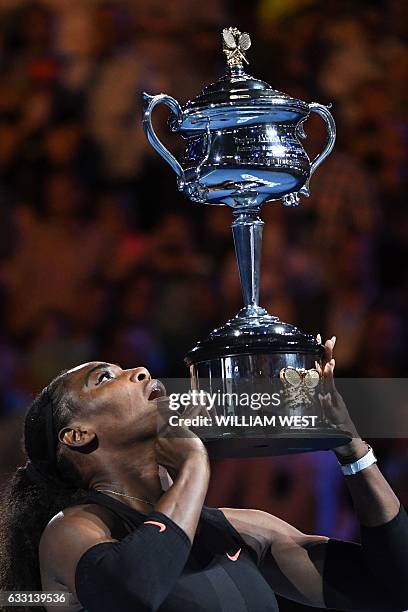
[234, 557]
[161, 526]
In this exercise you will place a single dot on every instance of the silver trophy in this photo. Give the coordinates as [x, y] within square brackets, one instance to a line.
[243, 148]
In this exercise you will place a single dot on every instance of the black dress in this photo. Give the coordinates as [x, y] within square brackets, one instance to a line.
[221, 572]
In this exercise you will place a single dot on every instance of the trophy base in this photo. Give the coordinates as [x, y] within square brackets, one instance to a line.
[231, 446]
[245, 360]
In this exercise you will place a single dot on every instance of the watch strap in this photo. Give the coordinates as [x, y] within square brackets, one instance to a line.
[353, 468]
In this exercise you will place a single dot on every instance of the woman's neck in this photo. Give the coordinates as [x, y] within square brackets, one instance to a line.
[136, 479]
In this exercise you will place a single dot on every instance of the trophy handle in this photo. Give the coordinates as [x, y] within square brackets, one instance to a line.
[331, 130]
[150, 102]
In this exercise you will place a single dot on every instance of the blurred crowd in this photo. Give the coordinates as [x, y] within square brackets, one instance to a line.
[102, 258]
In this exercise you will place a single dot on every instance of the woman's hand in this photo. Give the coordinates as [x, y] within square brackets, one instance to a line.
[176, 446]
[174, 452]
[336, 410]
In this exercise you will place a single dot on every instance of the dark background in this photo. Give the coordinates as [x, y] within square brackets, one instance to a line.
[101, 257]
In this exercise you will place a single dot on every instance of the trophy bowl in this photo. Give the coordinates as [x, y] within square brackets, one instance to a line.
[243, 148]
[243, 138]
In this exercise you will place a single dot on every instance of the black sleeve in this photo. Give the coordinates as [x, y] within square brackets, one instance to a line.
[373, 575]
[136, 573]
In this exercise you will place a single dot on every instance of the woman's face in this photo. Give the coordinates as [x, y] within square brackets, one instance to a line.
[118, 405]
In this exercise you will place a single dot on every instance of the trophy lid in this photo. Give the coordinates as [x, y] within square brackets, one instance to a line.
[236, 96]
[261, 333]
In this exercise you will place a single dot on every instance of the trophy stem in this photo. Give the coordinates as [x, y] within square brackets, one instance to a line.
[247, 231]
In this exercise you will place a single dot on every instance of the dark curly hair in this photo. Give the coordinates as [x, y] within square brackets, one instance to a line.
[27, 506]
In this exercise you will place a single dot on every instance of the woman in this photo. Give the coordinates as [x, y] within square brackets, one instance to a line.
[88, 515]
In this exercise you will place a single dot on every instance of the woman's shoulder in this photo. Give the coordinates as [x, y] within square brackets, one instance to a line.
[85, 518]
[72, 531]
[67, 536]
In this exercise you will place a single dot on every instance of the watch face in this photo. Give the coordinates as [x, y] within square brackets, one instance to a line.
[291, 376]
[311, 378]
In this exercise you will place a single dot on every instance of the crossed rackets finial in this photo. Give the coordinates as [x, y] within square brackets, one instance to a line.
[235, 44]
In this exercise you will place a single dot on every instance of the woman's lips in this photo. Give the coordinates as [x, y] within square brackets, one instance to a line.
[154, 389]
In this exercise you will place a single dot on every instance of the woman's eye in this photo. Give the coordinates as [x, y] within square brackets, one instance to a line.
[104, 376]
